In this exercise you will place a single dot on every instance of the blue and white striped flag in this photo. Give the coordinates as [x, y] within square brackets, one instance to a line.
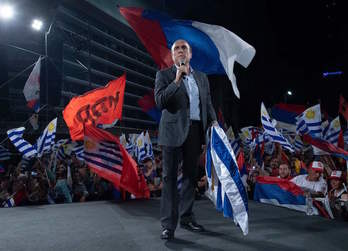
[270, 129]
[144, 147]
[78, 150]
[23, 146]
[226, 188]
[332, 131]
[310, 122]
[4, 153]
[46, 140]
[235, 144]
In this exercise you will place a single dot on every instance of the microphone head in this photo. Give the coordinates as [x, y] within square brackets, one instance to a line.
[182, 62]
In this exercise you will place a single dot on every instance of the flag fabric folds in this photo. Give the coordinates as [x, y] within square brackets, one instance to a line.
[332, 131]
[310, 122]
[23, 146]
[280, 192]
[215, 49]
[226, 188]
[31, 89]
[270, 129]
[46, 140]
[325, 146]
[105, 155]
[286, 114]
[99, 106]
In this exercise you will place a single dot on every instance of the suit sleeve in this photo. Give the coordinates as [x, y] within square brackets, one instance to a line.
[210, 110]
[163, 91]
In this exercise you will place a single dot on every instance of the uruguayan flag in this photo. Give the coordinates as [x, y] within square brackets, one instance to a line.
[235, 144]
[46, 140]
[310, 122]
[332, 131]
[149, 145]
[298, 144]
[123, 140]
[78, 150]
[272, 131]
[23, 146]
[144, 147]
[4, 153]
[226, 188]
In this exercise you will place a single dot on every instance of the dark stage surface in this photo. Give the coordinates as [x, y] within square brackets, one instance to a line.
[134, 225]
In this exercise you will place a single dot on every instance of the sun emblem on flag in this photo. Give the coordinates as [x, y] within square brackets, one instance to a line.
[336, 124]
[310, 114]
[246, 134]
[50, 127]
[140, 142]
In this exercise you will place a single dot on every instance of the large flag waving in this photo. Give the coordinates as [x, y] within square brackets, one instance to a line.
[23, 146]
[280, 192]
[226, 188]
[99, 106]
[46, 141]
[215, 49]
[106, 156]
[31, 89]
[310, 122]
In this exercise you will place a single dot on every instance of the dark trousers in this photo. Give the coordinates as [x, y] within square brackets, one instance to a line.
[171, 156]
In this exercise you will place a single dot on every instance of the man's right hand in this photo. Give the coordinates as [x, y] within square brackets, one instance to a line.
[180, 73]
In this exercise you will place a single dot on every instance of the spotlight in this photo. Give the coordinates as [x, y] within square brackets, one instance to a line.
[36, 24]
[289, 93]
[6, 11]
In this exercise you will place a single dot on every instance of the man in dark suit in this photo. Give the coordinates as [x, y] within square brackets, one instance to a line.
[183, 95]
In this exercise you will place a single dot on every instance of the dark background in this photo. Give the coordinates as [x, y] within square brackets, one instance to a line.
[296, 42]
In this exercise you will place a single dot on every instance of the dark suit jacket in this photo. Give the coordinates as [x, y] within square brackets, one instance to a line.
[174, 103]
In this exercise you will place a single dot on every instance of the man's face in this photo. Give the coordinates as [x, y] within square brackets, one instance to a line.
[284, 171]
[181, 52]
[335, 183]
[313, 175]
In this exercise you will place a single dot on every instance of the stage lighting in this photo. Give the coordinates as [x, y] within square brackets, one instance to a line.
[289, 93]
[36, 24]
[6, 11]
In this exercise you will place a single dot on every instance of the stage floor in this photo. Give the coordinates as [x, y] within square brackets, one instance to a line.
[134, 225]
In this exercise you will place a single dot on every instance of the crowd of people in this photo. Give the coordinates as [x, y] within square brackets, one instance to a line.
[44, 181]
[37, 181]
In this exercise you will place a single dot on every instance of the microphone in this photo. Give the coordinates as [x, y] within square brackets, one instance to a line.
[181, 63]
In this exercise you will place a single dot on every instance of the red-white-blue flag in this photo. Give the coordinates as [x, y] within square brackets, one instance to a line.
[215, 49]
[31, 89]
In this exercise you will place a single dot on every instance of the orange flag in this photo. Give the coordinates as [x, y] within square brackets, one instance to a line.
[99, 106]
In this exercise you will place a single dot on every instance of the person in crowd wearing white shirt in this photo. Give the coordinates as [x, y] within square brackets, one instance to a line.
[313, 182]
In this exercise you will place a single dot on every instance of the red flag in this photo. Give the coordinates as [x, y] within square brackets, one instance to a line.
[343, 107]
[116, 166]
[99, 106]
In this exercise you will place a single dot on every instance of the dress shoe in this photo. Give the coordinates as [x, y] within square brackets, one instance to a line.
[192, 226]
[167, 234]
